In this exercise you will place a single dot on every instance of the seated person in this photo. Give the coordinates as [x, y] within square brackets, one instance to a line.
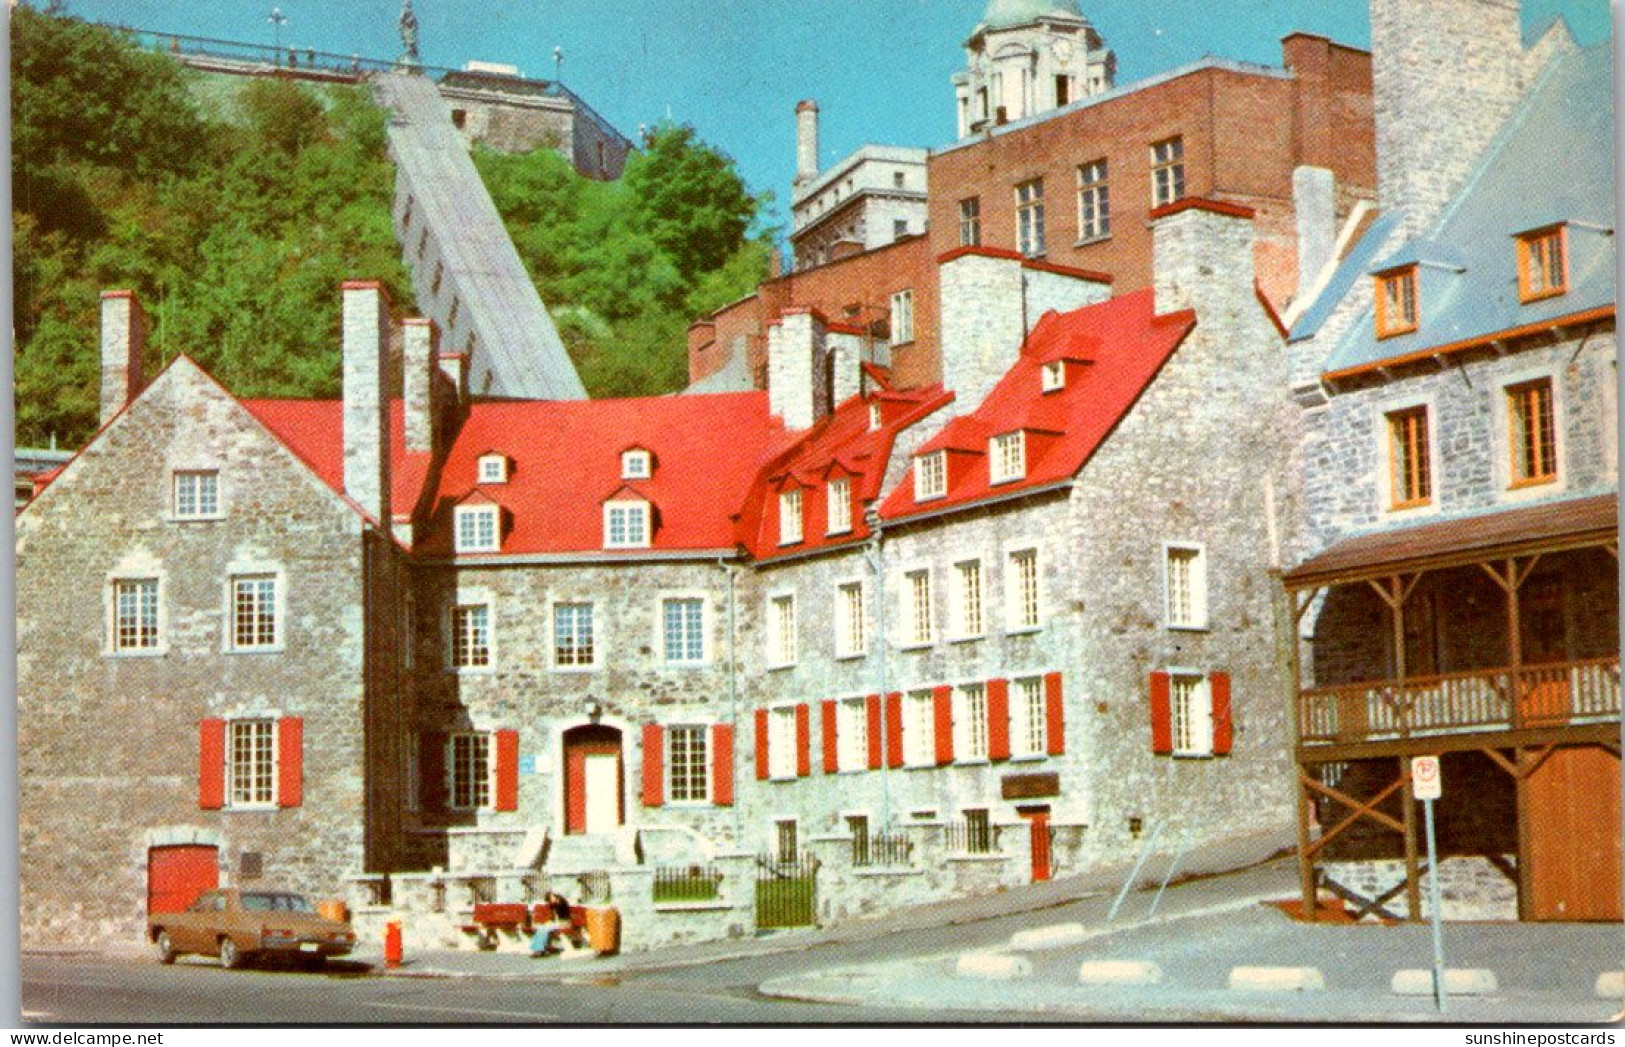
[541, 942]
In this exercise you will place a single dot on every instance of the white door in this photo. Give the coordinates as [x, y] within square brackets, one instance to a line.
[603, 793]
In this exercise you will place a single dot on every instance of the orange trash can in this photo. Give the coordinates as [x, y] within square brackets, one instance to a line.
[333, 909]
[604, 930]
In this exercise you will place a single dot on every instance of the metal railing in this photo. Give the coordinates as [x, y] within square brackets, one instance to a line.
[687, 883]
[882, 850]
[972, 838]
[1547, 695]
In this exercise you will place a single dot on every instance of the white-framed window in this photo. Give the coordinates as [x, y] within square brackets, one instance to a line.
[931, 476]
[1190, 708]
[636, 465]
[196, 494]
[135, 615]
[493, 469]
[921, 629]
[1167, 171]
[1094, 201]
[790, 529]
[970, 723]
[251, 763]
[626, 525]
[574, 645]
[781, 630]
[875, 418]
[469, 768]
[471, 636]
[477, 530]
[1185, 585]
[1053, 376]
[682, 630]
[851, 620]
[970, 221]
[1027, 716]
[688, 770]
[838, 505]
[1007, 454]
[1025, 601]
[851, 734]
[919, 729]
[255, 621]
[1030, 217]
[902, 317]
[781, 742]
[965, 600]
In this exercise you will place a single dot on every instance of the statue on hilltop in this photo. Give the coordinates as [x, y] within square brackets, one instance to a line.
[409, 34]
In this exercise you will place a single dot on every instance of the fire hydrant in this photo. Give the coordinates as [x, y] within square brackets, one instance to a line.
[392, 943]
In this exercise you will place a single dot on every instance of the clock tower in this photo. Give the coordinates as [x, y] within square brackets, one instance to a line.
[1026, 57]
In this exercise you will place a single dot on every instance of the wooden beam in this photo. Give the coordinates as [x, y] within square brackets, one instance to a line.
[1570, 734]
[1413, 879]
[1367, 810]
[1594, 538]
[1306, 857]
[1531, 765]
[1501, 761]
[1348, 801]
[1490, 570]
[1526, 881]
[1528, 569]
[1514, 639]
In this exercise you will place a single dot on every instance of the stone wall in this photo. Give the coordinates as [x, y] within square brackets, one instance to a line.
[1469, 888]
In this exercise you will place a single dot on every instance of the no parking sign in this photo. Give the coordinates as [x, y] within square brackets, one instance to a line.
[1425, 781]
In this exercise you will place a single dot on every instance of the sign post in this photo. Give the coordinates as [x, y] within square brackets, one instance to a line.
[1427, 786]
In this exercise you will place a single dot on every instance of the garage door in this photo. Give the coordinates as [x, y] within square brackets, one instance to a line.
[1574, 835]
[177, 875]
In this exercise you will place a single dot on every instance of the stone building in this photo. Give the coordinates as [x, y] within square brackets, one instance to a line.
[1457, 592]
[1027, 57]
[874, 197]
[495, 105]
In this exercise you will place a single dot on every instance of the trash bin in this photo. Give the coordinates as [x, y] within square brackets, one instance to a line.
[604, 930]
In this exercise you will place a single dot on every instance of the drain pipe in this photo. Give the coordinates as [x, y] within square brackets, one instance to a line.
[874, 555]
[733, 686]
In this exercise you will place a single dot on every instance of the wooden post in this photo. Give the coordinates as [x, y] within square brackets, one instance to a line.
[1520, 787]
[1413, 885]
[1515, 658]
[1306, 861]
[1397, 604]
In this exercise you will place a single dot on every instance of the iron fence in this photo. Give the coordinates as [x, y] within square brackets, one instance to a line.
[686, 883]
[786, 891]
[881, 850]
[973, 838]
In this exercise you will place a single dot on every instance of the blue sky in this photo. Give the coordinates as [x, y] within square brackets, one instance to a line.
[735, 68]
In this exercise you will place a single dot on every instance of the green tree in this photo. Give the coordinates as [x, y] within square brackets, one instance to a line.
[690, 199]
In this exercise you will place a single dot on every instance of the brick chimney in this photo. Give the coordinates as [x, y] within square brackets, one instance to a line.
[1446, 74]
[806, 142]
[983, 321]
[366, 397]
[421, 366]
[124, 336]
[1202, 259]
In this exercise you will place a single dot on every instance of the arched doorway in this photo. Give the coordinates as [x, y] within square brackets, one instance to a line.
[176, 875]
[594, 780]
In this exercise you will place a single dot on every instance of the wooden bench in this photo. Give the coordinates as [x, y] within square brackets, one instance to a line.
[493, 922]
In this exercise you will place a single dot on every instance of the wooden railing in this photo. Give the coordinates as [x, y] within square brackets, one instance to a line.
[1548, 695]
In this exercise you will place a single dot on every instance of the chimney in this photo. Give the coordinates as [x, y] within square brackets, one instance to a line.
[455, 367]
[795, 354]
[1446, 74]
[806, 142]
[1202, 259]
[1314, 202]
[422, 419]
[366, 397]
[843, 345]
[982, 321]
[124, 336]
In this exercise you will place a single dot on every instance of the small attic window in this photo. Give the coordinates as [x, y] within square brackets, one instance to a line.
[874, 417]
[1054, 376]
[931, 476]
[1007, 454]
[1543, 270]
[477, 530]
[1397, 311]
[493, 469]
[626, 525]
[636, 465]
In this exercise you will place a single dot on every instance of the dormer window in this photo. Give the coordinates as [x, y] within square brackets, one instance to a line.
[839, 503]
[1007, 457]
[874, 417]
[493, 469]
[1396, 302]
[1543, 269]
[931, 476]
[1053, 376]
[636, 465]
[790, 517]
[477, 530]
[626, 525]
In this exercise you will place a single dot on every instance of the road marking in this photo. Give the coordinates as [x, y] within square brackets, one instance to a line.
[467, 1012]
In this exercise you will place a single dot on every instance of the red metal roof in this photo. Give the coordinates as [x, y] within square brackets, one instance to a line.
[1112, 351]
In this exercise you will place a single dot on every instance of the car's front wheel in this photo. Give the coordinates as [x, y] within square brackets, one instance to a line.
[230, 957]
[166, 948]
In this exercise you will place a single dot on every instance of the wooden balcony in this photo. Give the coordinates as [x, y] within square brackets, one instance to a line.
[1557, 694]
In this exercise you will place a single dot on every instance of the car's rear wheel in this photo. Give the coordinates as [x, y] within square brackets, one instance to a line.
[230, 957]
[313, 963]
[166, 948]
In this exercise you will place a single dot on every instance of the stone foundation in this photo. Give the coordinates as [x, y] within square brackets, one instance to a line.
[1470, 888]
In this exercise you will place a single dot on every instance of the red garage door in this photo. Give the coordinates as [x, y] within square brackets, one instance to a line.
[177, 875]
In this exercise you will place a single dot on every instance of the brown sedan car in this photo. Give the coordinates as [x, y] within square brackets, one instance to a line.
[237, 925]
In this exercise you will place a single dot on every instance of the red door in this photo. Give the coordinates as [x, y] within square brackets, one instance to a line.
[579, 744]
[1038, 829]
[177, 875]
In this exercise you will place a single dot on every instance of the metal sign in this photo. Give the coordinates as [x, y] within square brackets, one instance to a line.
[1425, 781]
[527, 764]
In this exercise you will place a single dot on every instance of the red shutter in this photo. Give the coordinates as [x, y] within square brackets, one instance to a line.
[654, 765]
[211, 765]
[722, 764]
[872, 708]
[1162, 725]
[832, 762]
[507, 766]
[1054, 716]
[432, 758]
[998, 719]
[290, 762]
[942, 703]
[894, 729]
[803, 740]
[761, 745]
[1219, 688]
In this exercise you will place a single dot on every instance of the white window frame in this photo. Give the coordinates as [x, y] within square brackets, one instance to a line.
[578, 661]
[783, 641]
[636, 464]
[1171, 189]
[278, 617]
[1094, 192]
[852, 734]
[1029, 717]
[271, 755]
[703, 733]
[1007, 457]
[791, 524]
[160, 644]
[916, 595]
[197, 512]
[838, 506]
[470, 522]
[919, 728]
[472, 800]
[453, 653]
[851, 618]
[1013, 596]
[782, 750]
[662, 637]
[1053, 376]
[1197, 596]
[493, 469]
[1190, 713]
[967, 600]
[969, 705]
[639, 510]
[902, 317]
[875, 418]
[931, 476]
[1030, 232]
